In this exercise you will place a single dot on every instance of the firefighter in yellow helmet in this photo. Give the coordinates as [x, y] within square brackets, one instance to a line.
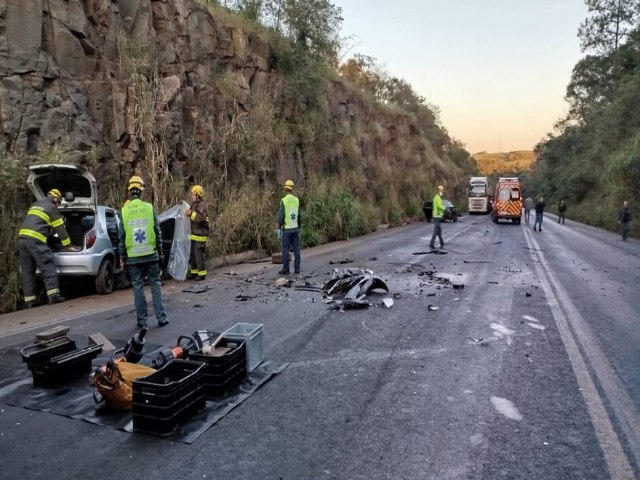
[197, 213]
[42, 220]
[140, 249]
[438, 212]
[289, 227]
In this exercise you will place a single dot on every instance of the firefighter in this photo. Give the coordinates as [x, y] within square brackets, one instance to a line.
[43, 218]
[438, 212]
[140, 249]
[289, 226]
[197, 213]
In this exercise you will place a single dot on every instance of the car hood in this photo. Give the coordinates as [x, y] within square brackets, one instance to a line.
[76, 183]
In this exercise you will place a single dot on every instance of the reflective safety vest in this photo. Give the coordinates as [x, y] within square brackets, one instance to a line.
[140, 236]
[291, 206]
[438, 207]
[42, 218]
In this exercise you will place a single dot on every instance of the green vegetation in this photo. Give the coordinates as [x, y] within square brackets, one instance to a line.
[592, 160]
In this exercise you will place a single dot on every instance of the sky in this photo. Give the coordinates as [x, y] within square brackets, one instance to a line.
[497, 69]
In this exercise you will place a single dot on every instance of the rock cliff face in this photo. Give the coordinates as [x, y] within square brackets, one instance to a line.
[73, 73]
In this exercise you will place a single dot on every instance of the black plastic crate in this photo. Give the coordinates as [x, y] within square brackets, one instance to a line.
[223, 373]
[151, 409]
[169, 422]
[172, 383]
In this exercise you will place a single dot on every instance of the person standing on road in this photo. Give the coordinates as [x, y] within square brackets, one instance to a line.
[140, 249]
[42, 220]
[624, 219]
[438, 212]
[562, 208]
[289, 227]
[539, 214]
[197, 213]
[528, 205]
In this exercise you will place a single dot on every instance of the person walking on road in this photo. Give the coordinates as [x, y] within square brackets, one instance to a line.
[289, 228]
[42, 220]
[562, 208]
[438, 212]
[528, 205]
[539, 214]
[624, 219]
[140, 249]
[197, 213]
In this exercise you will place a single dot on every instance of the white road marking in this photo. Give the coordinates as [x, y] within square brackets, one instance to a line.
[530, 318]
[617, 461]
[506, 408]
[537, 326]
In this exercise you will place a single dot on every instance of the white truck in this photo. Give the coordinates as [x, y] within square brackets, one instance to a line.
[479, 195]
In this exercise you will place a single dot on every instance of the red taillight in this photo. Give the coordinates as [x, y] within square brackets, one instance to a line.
[90, 238]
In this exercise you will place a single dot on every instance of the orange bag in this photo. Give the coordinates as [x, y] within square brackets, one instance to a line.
[114, 385]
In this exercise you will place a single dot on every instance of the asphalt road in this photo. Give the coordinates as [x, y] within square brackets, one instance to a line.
[529, 369]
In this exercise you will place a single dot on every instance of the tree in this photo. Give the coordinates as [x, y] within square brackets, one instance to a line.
[609, 24]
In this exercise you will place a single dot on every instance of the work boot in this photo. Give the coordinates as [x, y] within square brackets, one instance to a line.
[28, 305]
[163, 323]
[200, 278]
[297, 271]
[57, 298]
[283, 272]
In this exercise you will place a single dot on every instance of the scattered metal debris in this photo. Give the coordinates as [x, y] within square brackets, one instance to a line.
[432, 307]
[307, 287]
[244, 298]
[387, 302]
[197, 288]
[340, 261]
[352, 284]
[458, 286]
[492, 282]
[476, 340]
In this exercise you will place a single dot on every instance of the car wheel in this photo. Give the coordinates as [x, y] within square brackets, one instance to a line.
[454, 218]
[104, 280]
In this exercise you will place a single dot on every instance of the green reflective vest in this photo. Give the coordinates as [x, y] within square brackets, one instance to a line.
[291, 206]
[438, 207]
[140, 236]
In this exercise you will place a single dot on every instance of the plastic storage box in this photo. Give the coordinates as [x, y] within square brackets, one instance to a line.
[251, 333]
[223, 373]
[164, 399]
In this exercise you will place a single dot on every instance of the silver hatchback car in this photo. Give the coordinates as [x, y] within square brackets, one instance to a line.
[94, 229]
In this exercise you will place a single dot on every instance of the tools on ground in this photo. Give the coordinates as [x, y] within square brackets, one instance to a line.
[186, 344]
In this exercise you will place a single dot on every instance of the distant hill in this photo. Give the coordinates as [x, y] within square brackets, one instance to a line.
[504, 162]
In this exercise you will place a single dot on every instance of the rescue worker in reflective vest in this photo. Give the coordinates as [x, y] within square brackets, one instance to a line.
[438, 212]
[197, 213]
[289, 226]
[43, 218]
[140, 249]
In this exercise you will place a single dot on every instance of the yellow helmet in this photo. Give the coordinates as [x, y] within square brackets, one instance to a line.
[136, 182]
[440, 188]
[288, 185]
[197, 190]
[55, 193]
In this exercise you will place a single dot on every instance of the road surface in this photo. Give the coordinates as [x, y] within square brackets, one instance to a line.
[527, 369]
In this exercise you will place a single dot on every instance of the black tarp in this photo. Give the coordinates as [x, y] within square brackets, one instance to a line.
[75, 399]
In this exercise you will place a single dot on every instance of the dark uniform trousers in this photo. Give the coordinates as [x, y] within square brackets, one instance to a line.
[34, 254]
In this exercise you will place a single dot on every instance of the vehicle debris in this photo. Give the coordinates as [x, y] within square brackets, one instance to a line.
[243, 298]
[387, 302]
[352, 285]
[197, 288]
[283, 282]
[341, 261]
[432, 307]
